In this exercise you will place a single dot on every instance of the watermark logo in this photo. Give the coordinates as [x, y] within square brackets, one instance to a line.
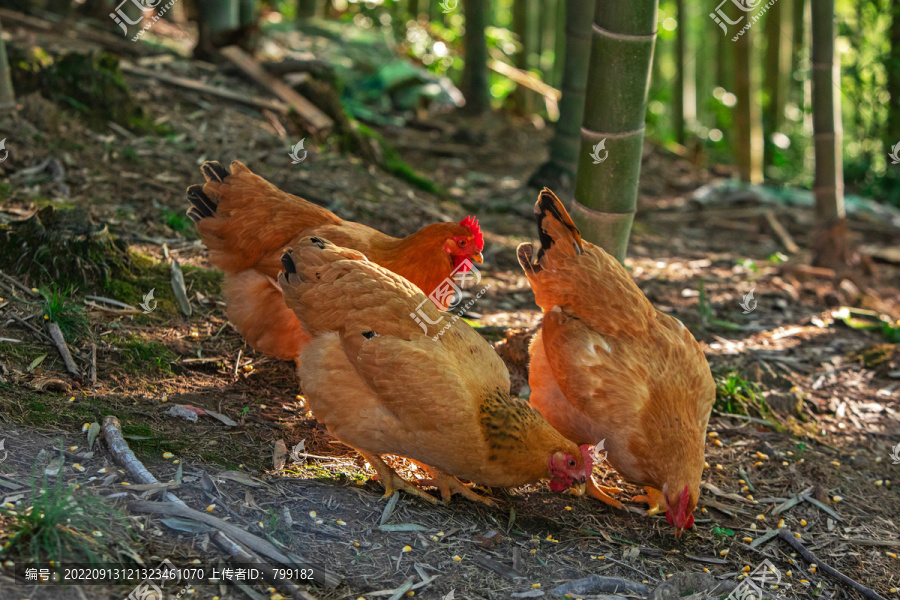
[599, 452]
[894, 154]
[448, 5]
[449, 294]
[601, 145]
[749, 302]
[151, 588]
[146, 303]
[751, 588]
[723, 21]
[121, 18]
[296, 159]
[6, 152]
[895, 456]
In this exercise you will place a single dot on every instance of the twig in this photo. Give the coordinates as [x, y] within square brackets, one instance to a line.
[254, 543]
[34, 329]
[809, 557]
[779, 230]
[769, 424]
[93, 365]
[22, 287]
[715, 490]
[239, 555]
[866, 542]
[237, 363]
[122, 454]
[398, 593]
[790, 503]
[59, 341]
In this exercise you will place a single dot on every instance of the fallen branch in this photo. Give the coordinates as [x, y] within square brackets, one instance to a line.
[15, 283]
[125, 458]
[809, 557]
[254, 543]
[239, 555]
[59, 341]
[779, 230]
[314, 119]
[219, 92]
[492, 565]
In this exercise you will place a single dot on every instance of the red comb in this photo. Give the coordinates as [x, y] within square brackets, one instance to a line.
[471, 223]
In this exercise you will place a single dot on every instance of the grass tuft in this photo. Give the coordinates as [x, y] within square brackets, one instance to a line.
[737, 396]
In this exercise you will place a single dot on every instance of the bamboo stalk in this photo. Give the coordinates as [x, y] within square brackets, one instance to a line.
[623, 39]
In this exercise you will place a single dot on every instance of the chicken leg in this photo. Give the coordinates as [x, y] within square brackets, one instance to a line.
[654, 500]
[449, 485]
[602, 493]
[393, 482]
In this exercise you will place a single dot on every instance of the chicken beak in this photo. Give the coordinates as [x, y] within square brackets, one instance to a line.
[578, 489]
[477, 257]
[678, 532]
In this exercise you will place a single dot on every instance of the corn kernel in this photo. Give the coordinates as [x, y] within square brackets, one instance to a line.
[723, 553]
[757, 464]
[836, 463]
[880, 482]
[802, 522]
[703, 510]
[762, 456]
[705, 464]
[804, 582]
[78, 467]
[102, 471]
[894, 590]
[668, 575]
[535, 585]
[745, 489]
[407, 548]
[753, 526]
[276, 597]
[718, 443]
[788, 573]
[435, 538]
[457, 558]
[168, 455]
[760, 517]
[568, 508]
[720, 467]
[837, 498]
[211, 508]
[355, 543]
[747, 540]
[781, 524]
[85, 427]
[746, 568]
[341, 523]
[312, 514]
[97, 533]
[797, 535]
[196, 561]
[813, 567]
[533, 550]
[705, 570]
[73, 448]
[713, 434]
[785, 463]
[411, 593]
[741, 481]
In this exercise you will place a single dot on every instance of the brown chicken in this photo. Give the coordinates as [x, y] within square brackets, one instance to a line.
[247, 223]
[383, 386]
[606, 365]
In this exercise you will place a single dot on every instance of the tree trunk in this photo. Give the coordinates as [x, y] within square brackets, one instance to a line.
[624, 35]
[830, 245]
[892, 66]
[520, 28]
[562, 162]
[679, 101]
[475, 76]
[747, 114]
[7, 95]
[778, 65]
[413, 9]
[306, 9]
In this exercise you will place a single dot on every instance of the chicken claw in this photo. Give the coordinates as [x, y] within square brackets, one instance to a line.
[393, 482]
[602, 493]
[449, 485]
[654, 500]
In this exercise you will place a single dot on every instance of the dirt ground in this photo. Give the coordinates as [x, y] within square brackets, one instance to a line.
[830, 391]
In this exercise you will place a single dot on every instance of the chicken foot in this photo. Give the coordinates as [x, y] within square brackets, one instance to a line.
[449, 485]
[602, 493]
[654, 499]
[393, 482]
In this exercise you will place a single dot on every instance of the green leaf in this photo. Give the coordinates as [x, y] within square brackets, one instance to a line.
[92, 433]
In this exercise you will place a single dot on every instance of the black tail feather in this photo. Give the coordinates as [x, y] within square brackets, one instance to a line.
[548, 203]
[202, 206]
[212, 170]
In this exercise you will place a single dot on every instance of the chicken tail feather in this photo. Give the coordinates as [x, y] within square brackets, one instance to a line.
[214, 171]
[202, 206]
[549, 206]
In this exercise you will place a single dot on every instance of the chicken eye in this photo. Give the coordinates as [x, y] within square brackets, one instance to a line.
[462, 243]
[571, 463]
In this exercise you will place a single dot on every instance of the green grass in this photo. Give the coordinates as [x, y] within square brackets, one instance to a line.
[56, 521]
[180, 222]
[140, 353]
[737, 396]
[60, 308]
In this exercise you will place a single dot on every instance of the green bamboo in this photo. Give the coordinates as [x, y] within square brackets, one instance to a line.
[520, 28]
[7, 95]
[475, 77]
[778, 65]
[827, 128]
[678, 104]
[748, 147]
[892, 66]
[566, 143]
[623, 39]
[306, 9]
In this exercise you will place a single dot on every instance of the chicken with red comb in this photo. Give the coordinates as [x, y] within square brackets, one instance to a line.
[246, 222]
[607, 366]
